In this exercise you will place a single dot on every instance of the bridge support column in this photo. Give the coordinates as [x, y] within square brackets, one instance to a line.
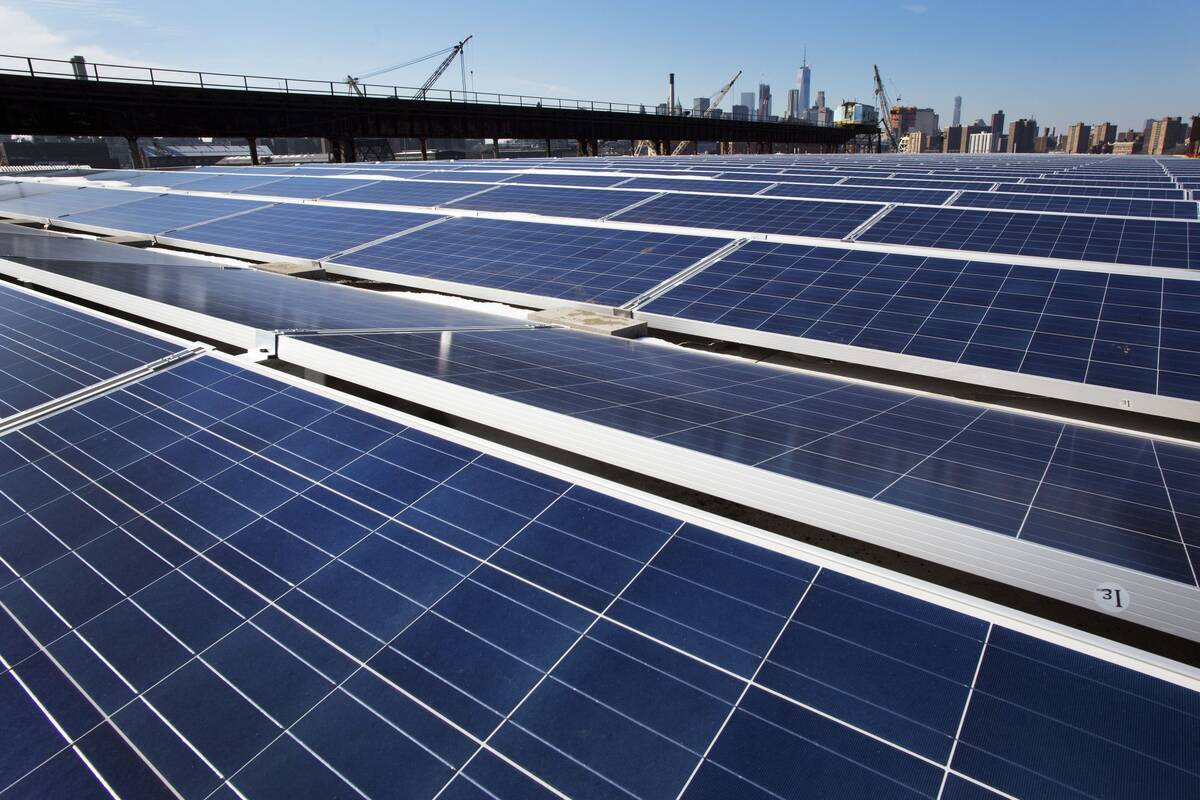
[549, 151]
[581, 147]
[135, 153]
[424, 149]
[633, 147]
[253, 142]
[495, 147]
[666, 148]
[595, 143]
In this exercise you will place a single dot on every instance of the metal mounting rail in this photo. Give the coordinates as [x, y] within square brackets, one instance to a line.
[853, 235]
[39, 412]
[631, 206]
[670, 283]
[950, 200]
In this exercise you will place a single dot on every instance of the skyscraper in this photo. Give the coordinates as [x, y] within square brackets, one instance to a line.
[957, 110]
[794, 109]
[997, 125]
[804, 79]
[1078, 138]
[748, 100]
[1021, 135]
[764, 100]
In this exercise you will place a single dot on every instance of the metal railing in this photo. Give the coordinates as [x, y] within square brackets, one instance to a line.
[159, 76]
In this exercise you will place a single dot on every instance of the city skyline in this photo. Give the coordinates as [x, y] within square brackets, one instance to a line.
[610, 60]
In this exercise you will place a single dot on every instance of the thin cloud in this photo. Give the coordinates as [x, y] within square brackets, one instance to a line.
[110, 10]
[21, 34]
[915, 8]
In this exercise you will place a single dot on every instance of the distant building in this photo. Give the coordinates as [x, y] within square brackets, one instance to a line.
[854, 112]
[1021, 135]
[1165, 135]
[741, 111]
[699, 106]
[662, 109]
[1079, 138]
[998, 124]
[748, 99]
[804, 81]
[794, 109]
[911, 118]
[764, 101]
[957, 111]
[980, 142]
[912, 142]
[1103, 135]
[1127, 147]
[952, 139]
[1194, 137]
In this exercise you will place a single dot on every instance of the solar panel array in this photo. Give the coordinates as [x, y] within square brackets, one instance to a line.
[216, 583]
[1122, 499]
[1133, 332]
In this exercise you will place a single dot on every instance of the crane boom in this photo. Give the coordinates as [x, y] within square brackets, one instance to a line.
[437, 73]
[713, 102]
[885, 111]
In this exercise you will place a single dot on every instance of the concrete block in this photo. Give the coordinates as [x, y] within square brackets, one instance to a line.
[295, 269]
[584, 319]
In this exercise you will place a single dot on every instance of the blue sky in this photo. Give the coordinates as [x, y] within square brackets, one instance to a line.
[1062, 61]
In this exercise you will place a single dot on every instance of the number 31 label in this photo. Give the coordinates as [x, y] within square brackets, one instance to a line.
[1112, 597]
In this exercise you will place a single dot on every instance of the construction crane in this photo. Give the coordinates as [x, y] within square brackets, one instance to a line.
[885, 111]
[356, 83]
[713, 102]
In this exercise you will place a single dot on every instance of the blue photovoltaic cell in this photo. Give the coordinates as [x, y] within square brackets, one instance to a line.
[11, 190]
[876, 194]
[1108, 206]
[761, 215]
[406, 193]
[552, 201]
[259, 590]
[566, 180]
[162, 212]
[1086, 491]
[1088, 191]
[1122, 331]
[264, 300]
[595, 265]
[303, 230]
[769, 177]
[922, 183]
[684, 185]
[56, 204]
[1155, 243]
[148, 178]
[207, 182]
[305, 187]
[48, 350]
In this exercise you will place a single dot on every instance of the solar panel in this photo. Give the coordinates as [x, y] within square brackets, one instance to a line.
[566, 180]
[552, 201]
[139, 178]
[161, 213]
[263, 591]
[305, 187]
[685, 185]
[925, 183]
[1156, 243]
[1106, 206]
[868, 193]
[208, 182]
[10, 190]
[301, 230]
[594, 265]
[1088, 191]
[404, 193]
[55, 204]
[1068, 487]
[49, 350]
[761, 215]
[249, 300]
[1130, 332]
